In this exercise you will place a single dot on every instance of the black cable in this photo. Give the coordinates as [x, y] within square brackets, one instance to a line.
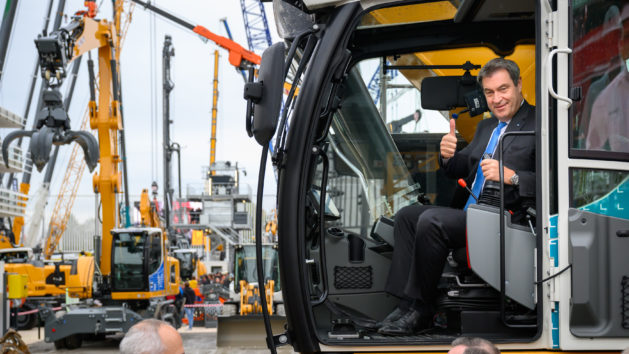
[259, 265]
[554, 275]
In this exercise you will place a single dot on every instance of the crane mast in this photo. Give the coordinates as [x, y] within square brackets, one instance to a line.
[214, 111]
[168, 85]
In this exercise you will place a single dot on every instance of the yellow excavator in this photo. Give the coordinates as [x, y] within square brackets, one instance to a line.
[190, 265]
[131, 272]
[50, 282]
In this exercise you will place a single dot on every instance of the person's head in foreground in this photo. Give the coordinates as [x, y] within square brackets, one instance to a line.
[152, 336]
[469, 345]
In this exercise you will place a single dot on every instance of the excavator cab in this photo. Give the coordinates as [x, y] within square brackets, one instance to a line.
[188, 260]
[245, 266]
[140, 265]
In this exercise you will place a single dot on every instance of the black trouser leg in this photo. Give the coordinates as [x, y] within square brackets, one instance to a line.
[438, 230]
[404, 231]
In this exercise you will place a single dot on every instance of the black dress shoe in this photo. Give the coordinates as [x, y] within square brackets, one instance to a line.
[408, 324]
[392, 317]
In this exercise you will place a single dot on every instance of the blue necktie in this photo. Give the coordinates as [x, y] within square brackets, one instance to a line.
[480, 178]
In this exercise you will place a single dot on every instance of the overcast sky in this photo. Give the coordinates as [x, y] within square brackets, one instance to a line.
[141, 68]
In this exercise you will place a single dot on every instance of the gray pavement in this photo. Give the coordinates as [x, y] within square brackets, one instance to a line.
[196, 341]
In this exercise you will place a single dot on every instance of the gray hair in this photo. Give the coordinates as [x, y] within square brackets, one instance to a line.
[476, 345]
[496, 64]
[143, 338]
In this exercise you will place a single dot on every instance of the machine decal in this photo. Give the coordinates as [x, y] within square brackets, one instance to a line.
[554, 257]
[553, 236]
[554, 317]
[156, 280]
[612, 204]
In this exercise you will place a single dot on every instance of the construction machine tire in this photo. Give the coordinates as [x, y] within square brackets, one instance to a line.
[74, 341]
[26, 322]
[245, 332]
[60, 343]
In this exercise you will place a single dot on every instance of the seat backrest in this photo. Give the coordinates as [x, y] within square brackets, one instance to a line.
[483, 245]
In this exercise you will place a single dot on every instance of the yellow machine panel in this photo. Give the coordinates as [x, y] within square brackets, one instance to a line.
[17, 286]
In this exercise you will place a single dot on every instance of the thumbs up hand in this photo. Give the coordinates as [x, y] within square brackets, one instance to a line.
[448, 142]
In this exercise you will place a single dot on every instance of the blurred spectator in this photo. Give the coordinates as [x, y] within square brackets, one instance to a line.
[191, 297]
[470, 345]
[609, 126]
[227, 280]
[611, 23]
[152, 336]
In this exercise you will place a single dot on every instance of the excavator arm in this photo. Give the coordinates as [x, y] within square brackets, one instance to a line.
[148, 213]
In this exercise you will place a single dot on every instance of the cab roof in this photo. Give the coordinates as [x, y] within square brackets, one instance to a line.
[467, 10]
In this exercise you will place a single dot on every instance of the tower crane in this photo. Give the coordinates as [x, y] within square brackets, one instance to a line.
[256, 25]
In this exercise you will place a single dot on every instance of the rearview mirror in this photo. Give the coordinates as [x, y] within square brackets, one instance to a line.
[449, 92]
[264, 97]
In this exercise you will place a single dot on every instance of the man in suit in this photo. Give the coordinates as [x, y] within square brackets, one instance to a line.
[424, 234]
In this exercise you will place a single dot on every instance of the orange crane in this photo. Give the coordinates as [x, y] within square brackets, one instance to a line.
[238, 56]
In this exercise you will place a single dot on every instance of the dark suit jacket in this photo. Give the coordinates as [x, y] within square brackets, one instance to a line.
[518, 155]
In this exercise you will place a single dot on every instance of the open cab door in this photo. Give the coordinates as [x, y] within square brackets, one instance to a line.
[590, 231]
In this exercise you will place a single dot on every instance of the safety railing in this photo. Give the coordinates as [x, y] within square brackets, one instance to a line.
[9, 119]
[12, 203]
[15, 159]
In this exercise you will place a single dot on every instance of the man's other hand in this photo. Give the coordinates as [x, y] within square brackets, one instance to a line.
[448, 142]
[491, 170]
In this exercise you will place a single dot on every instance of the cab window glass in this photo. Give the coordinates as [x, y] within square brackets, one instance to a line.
[245, 266]
[128, 261]
[601, 192]
[155, 254]
[599, 121]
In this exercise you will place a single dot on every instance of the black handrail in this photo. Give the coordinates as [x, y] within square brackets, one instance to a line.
[324, 181]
